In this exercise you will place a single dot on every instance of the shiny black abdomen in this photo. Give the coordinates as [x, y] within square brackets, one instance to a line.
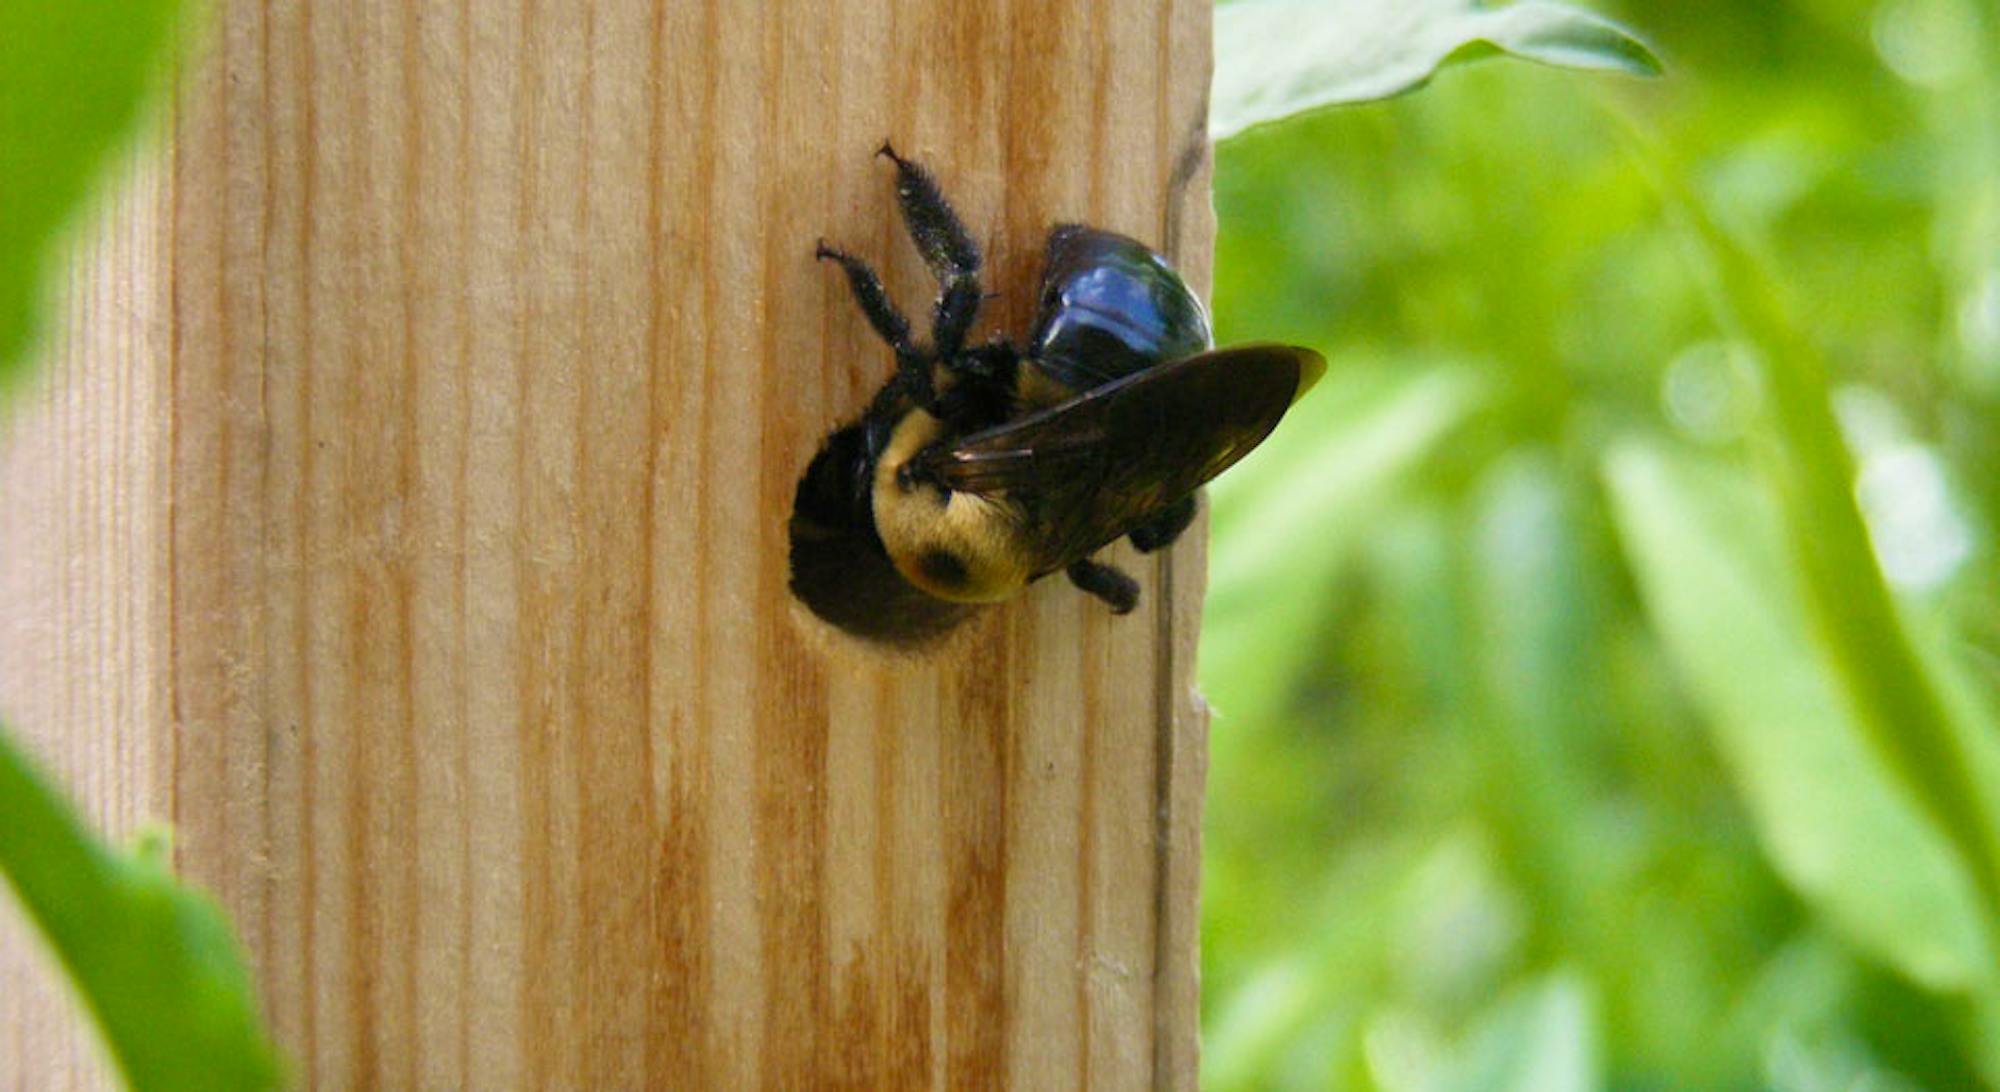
[1110, 307]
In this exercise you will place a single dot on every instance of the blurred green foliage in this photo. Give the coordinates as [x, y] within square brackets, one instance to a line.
[74, 78]
[1569, 732]
[153, 960]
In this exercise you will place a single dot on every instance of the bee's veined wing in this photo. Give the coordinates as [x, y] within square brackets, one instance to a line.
[1089, 470]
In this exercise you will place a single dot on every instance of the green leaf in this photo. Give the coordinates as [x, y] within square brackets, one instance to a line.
[73, 80]
[1277, 58]
[1839, 828]
[154, 960]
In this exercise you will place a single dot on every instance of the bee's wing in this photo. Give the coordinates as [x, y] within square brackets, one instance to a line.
[1091, 469]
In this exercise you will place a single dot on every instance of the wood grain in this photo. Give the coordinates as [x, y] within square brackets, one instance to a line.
[403, 519]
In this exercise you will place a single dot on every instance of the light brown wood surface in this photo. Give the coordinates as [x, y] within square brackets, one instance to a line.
[402, 516]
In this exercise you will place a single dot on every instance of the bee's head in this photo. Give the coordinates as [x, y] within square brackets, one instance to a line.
[840, 568]
[834, 492]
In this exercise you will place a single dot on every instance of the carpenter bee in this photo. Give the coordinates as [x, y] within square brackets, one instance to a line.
[981, 467]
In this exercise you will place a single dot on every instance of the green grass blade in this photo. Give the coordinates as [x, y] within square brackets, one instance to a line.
[1895, 692]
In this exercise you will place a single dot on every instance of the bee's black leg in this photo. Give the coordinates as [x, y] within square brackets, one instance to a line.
[957, 308]
[1106, 583]
[1164, 528]
[912, 362]
[948, 250]
[940, 237]
[872, 298]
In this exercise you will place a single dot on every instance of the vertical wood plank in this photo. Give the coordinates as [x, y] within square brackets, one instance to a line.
[404, 519]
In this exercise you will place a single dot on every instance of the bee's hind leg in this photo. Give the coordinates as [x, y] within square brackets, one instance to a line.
[1165, 528]
[1119, 591]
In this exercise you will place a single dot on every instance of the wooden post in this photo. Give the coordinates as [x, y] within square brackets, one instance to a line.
[403, 519]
